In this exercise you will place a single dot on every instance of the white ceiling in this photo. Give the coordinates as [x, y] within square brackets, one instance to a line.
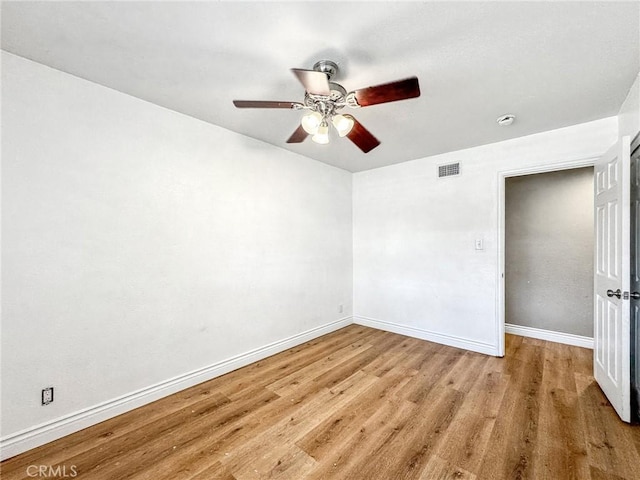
[553, 64]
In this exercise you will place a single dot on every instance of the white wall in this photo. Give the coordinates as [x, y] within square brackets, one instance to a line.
[416, 270]
[629, 115]
[141, 245]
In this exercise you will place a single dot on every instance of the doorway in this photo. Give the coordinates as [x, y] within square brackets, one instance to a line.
[549, 255]
[501, 302]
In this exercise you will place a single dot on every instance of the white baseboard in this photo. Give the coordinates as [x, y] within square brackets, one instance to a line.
[444, 339]
[558, 337]
[37, 435]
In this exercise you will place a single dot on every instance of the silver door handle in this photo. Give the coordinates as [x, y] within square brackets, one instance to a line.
[611, 293]
[635, 295]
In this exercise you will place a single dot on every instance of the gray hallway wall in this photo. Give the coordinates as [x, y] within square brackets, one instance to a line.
[549, 251]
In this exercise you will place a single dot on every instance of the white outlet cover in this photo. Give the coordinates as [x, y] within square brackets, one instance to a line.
[47, 396]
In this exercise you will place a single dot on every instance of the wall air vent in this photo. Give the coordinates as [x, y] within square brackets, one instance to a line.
[448, 170]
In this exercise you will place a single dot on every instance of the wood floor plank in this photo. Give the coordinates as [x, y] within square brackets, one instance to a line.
[372, 435]
[428, 376]
[288, 429]
[300, 377]
[363, 404]
[635, 434]
[238, 383]
[283, 462]
[466, 441]
[438, 468]
[561, 444]
[582, 360]
[216, 471]
[329, 377]
[516, 428]
[512, 345]
[597, 474]
[195, 449]
[338, 373]
[332, 435]
[464, 373]
[389, 358]
[468, 437]
[203, 449]
[406, 454]
[144, 449]
[610, 444]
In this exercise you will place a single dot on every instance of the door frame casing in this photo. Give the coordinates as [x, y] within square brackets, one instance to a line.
[502, 176]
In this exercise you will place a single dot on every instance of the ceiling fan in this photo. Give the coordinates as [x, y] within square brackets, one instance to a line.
[323, 99]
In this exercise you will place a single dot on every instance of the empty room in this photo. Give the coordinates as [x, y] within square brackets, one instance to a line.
[320, 240]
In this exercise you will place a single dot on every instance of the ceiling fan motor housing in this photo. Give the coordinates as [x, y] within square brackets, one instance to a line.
[327, 105]
[328, 67]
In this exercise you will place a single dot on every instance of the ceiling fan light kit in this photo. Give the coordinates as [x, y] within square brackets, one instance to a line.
[324, 99]
[310, 122]
[322, 134]
[343, 124]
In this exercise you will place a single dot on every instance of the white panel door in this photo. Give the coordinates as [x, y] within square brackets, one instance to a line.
[611, 356]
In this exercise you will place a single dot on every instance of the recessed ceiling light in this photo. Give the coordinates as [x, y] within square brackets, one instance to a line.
[505, 120]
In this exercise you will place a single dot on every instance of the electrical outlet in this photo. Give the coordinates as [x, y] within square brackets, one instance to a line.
[340, 308]
[47, 396]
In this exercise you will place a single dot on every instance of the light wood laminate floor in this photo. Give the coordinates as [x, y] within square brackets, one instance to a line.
[365, 404]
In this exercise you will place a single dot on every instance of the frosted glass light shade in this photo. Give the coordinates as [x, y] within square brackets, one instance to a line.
[343, 124]
[310, 122]
[322, 135]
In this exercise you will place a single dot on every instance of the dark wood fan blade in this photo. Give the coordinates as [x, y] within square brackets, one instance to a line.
[298, 136]
[263, 104]
[388, 92]
[313, 82]
[362, 137]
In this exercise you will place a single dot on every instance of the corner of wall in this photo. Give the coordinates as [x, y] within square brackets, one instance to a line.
[629, 114]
